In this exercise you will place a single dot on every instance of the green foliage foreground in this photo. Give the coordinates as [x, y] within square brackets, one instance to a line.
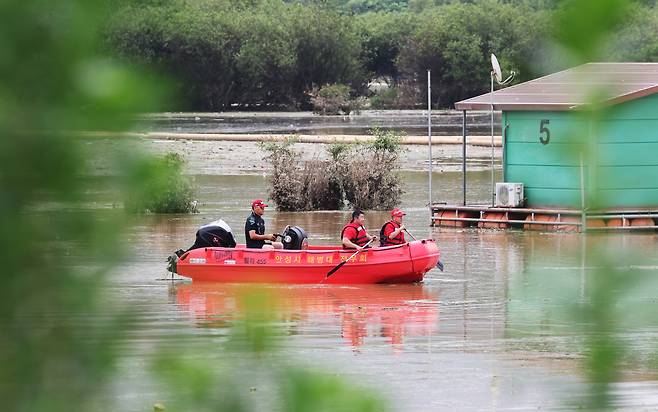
[54, 253]
[61, 331]
[613, 292]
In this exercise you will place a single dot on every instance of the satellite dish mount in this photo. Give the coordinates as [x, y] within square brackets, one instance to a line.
[497, 74]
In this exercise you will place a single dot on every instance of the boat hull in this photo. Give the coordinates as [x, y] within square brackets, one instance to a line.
[394, 264]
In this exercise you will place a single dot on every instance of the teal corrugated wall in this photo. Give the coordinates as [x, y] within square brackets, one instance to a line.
[620, 163]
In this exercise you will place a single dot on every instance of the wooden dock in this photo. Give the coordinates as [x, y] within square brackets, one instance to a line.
[568, 220]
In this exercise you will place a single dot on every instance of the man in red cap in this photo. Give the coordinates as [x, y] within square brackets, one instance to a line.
[392, 233]
[254, 228]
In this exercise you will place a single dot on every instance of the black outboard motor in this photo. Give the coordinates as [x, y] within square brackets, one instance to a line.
[294, 238]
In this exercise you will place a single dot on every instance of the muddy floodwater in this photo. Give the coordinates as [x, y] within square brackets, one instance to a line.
[412, 122]
[488, 334]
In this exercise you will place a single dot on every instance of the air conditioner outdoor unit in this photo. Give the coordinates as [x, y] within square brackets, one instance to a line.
[509, 194]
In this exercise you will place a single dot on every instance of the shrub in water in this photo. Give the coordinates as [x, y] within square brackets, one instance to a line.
[368, 173]
[286, 178]
[323, 186]
[361, 175]
[166, 189]
[301, 185]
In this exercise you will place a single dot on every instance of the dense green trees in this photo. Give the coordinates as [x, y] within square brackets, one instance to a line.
[273, 53]
[242, 53]
[454, 42]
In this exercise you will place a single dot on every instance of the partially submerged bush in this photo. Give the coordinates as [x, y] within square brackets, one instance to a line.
[301, 186]
[368, 173]
[285, 179]
[334, 99]
[166, 189]
[360, 175]
[323, 187]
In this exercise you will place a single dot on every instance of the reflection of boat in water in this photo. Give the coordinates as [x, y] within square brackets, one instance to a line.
[393, 264]
[390, 311]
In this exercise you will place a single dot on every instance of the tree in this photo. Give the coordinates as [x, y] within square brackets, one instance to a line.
[454, 42]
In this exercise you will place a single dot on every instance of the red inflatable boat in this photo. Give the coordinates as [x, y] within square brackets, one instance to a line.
[405, 263]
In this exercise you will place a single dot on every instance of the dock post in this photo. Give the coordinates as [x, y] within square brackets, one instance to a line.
[464, 155]
[493, 185]
[429, 136]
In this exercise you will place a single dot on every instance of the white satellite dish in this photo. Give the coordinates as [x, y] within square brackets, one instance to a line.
[496, 68]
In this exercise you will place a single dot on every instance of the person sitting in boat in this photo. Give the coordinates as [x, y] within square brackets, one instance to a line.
[213, 234]
[254, 229]
[392, 233]
[354, 234]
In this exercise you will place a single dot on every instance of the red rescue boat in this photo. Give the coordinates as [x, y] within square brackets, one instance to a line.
[405, 263]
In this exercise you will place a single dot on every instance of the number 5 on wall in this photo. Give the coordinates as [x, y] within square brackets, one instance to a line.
[543, 129]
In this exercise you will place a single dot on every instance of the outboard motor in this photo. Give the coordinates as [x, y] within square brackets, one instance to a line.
[294, 238]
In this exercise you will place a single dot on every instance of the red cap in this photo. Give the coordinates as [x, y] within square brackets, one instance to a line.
[258, 202]
[397, 212]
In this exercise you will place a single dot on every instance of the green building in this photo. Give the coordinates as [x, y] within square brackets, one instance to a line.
[587, 136]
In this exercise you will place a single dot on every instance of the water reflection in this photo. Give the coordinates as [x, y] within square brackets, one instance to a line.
[357, 314]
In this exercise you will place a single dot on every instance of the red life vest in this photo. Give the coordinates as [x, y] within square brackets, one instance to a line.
[360, 238]
[385, 240]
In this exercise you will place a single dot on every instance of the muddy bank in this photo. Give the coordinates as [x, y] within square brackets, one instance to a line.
[327, 139]
[228, 157]
[228, 143]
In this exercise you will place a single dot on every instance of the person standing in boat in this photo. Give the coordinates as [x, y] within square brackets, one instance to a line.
[354, 234]
[392, 233]
[254, 229]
